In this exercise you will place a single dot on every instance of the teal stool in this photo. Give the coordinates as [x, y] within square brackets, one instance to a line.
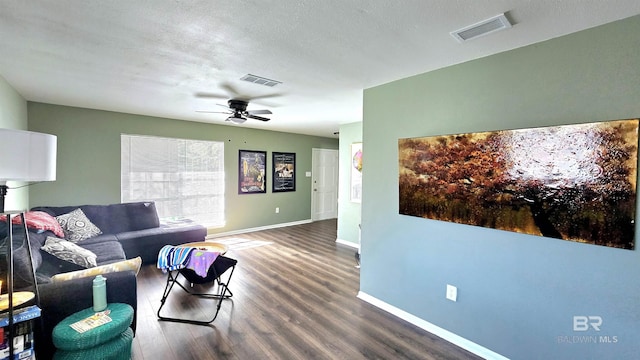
[111, 341]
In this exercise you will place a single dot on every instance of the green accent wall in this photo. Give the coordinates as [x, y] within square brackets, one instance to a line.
[89, 161]
[517, 293]
[348, 211]
[13, 115]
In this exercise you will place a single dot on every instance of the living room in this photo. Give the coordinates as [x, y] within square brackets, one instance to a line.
[517, 293]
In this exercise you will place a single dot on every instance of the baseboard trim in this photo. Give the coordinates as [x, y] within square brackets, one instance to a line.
[347, 243]
[260, 228]
[435, 330]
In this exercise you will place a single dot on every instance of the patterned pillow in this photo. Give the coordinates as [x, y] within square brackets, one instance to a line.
[131, 264]
[77, 226]
[68, 251]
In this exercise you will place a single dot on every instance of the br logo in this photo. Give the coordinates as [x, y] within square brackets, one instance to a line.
[583, 323]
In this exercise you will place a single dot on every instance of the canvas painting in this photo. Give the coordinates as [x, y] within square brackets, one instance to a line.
[572, 182]
[356, 173]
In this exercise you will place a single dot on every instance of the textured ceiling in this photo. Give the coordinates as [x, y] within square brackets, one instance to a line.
[172, 58]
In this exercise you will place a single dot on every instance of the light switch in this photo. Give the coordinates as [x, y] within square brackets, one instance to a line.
[452, 292]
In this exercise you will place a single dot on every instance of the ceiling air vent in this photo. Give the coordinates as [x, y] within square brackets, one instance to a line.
[488, 26]
[260, 80]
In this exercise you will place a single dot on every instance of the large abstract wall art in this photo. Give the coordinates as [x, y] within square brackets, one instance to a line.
[573, 182]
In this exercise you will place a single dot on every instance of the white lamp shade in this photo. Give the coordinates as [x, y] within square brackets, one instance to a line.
[27, 156]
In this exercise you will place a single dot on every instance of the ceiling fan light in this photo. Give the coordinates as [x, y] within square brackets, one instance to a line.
[236, 119]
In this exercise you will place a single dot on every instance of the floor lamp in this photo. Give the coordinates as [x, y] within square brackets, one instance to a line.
[26, 157]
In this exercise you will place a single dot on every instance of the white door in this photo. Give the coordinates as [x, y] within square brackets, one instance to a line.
[324, 184]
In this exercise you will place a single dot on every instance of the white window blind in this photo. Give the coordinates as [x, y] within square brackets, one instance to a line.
[185, 178]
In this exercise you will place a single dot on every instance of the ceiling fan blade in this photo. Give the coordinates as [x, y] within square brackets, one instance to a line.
[214, 112]
[266, 96]
[257, 117]
[205, 95]
[231, 90]
[235, 94]
[256, 112]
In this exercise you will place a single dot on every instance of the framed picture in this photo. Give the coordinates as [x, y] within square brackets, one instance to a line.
[356, 172]
[284, 172]
[252, 175]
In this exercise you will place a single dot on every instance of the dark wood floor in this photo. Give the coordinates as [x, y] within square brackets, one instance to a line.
[293, 299]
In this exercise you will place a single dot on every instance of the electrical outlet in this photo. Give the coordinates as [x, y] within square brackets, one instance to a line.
[452, 292]
[277, 210]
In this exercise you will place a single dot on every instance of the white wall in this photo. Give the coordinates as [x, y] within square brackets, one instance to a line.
[348, 211]
[517, 293]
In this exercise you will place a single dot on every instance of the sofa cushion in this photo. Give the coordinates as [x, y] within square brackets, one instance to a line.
[132, 216]
[102, 243]
[107, 251]
[55, 210]
[51, 265]
[114, 218]
[143, 215]
[22, 270]
[68, 251]
[147, 243]
[77, 226]
[97, 239]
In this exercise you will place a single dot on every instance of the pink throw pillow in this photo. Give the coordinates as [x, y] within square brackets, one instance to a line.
[38, 220]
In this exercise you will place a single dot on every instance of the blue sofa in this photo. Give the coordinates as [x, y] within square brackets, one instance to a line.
[128, 230]
[135, 226]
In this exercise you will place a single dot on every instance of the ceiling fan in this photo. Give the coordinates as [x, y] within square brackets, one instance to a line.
[238, 112]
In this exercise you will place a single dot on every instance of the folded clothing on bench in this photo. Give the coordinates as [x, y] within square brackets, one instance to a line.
[180, 257]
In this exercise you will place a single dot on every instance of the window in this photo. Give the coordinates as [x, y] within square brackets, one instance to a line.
[185, 178]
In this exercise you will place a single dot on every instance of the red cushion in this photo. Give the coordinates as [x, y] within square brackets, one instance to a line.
[38, 220]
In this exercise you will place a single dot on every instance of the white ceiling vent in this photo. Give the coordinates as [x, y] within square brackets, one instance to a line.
[260, 80]
[488, 26]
